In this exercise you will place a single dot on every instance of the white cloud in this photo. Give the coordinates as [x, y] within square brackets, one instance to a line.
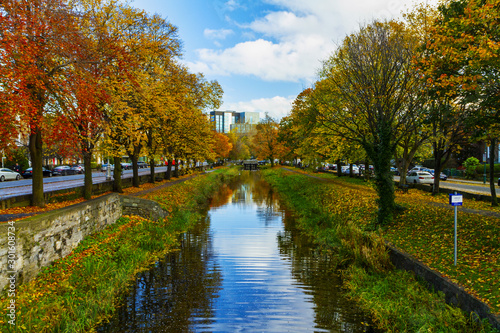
[217, 34]
[277, 106]
[231, 5]
[289, 61]
[294, 40]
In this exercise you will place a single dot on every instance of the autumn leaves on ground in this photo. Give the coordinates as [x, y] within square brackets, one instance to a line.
[336, 211]
[76, 292]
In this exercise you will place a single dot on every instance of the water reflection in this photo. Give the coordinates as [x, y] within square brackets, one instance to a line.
[241, 270]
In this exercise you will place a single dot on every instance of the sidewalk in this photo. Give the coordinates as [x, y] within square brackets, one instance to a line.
[465, 181]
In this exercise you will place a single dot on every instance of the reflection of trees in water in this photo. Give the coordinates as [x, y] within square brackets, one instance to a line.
[269, 208]
[221, 197]
[179, 288]
[262, 195]
[316, 271]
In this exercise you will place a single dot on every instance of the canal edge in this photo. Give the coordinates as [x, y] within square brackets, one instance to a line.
[454, 294]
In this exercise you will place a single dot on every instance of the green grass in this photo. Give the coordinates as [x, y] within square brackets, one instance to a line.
[336, 213]
[75, 293]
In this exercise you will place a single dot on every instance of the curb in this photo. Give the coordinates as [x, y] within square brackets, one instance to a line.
[454, 294]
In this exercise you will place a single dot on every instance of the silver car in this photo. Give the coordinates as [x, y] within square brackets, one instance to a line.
[8, 174]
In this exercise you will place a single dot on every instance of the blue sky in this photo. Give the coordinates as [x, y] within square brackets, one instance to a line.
[265, 52]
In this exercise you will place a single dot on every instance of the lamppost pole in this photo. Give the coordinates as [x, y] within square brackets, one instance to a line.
[484, 162]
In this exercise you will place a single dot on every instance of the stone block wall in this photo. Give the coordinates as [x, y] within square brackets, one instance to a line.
[141, 207]
[41, 239]
[454, 294]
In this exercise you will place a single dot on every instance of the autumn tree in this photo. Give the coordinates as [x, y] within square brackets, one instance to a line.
[140, 94]
[240, 150]
[221, 147]
[40, 42]
[266, 141]
[370, 83]
[462, 62]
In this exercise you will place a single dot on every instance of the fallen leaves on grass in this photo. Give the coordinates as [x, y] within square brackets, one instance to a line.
[48, 207]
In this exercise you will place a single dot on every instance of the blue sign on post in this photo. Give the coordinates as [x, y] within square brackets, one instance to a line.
[456, 199]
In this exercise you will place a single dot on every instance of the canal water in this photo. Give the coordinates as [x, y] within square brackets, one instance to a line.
[244, 268]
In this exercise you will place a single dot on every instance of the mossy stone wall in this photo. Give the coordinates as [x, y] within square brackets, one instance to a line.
[41, 239]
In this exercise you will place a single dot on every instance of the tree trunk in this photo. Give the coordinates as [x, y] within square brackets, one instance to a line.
[350, 170]
[339, 168]
[117, 175]
[36, 154]
[439, 155]
[437, 168]
[168, 174]
[87, 187]
[152, 170]
[493, 144]
[176, 170]
[381, 154]
[367, 170]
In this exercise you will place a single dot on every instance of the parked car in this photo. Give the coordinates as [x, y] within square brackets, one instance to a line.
[442, 176]
[417, 168]
[29, 173]
[8, 174]
[78, 168]
[345, 169]
[142, 164]
[104, 167]
[126, 165]
[63, 170]
[420, 177]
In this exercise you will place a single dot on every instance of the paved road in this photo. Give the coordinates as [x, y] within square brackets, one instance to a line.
[469, 186]
[23, 186]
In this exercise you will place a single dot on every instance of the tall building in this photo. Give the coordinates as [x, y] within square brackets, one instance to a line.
[225, 121]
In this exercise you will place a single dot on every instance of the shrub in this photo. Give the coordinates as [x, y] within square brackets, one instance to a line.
[480, 169]
[470, 167]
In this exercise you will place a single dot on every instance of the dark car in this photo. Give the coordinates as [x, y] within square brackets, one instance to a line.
[142, 164]
[29, 173]
[126, 165]
[78, 168]
[442, 176]
[63, 170]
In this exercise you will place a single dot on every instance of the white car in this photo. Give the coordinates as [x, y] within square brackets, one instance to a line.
[104, 167]
[420, 177]
[8, 174]
[345, 169]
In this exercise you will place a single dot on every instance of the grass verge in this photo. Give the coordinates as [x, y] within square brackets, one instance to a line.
[82, 289]
[336, 212]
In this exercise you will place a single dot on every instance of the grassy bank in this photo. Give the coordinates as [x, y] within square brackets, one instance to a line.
[335, 213]
[78, 291]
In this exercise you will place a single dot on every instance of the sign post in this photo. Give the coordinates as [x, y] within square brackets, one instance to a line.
[456, 200]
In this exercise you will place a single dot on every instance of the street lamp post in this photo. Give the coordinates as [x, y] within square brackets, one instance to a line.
[484, 162]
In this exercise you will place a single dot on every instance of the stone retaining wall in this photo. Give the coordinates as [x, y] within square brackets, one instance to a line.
[141, 207]
[454, 294]
[44, 238]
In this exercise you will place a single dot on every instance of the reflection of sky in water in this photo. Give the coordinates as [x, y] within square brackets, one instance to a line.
[239, 270]
[258, 292]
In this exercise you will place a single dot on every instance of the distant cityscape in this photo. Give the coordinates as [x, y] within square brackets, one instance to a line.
[233, 121]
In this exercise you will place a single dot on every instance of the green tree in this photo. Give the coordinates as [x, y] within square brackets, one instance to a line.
[462, 59]
[371, 84]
